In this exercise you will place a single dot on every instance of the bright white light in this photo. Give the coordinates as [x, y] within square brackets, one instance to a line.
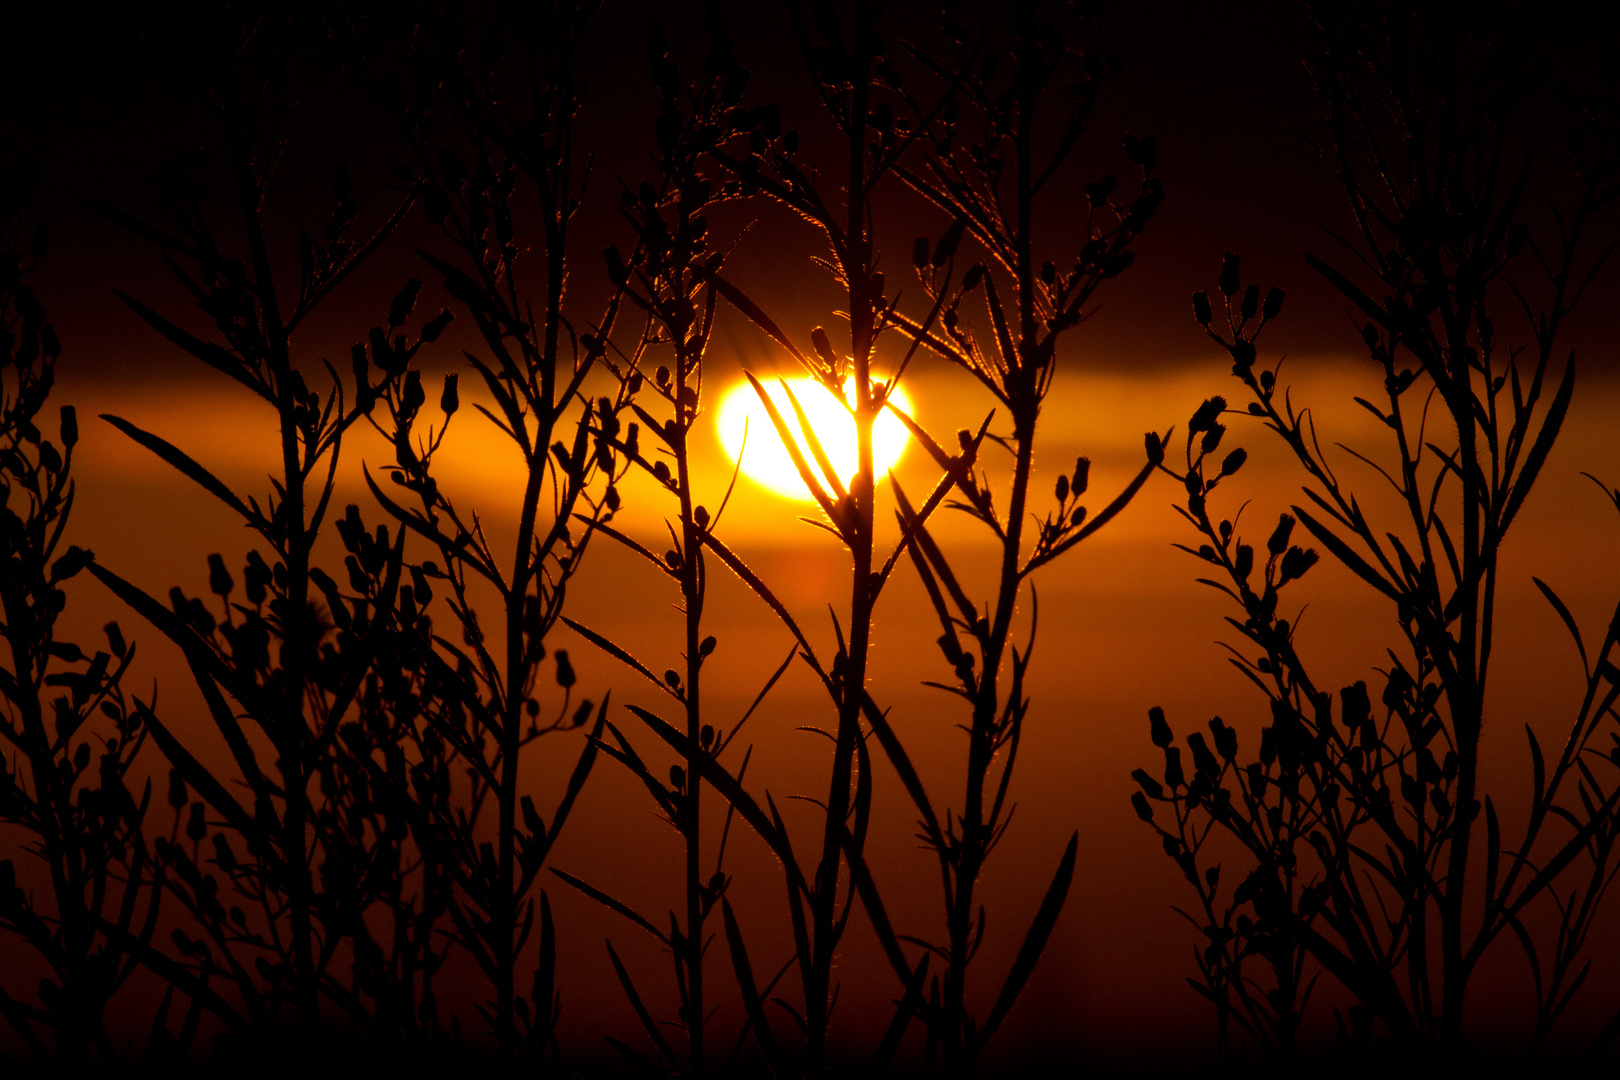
[766, 460]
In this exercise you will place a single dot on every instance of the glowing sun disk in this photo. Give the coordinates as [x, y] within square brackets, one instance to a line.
[766, 461]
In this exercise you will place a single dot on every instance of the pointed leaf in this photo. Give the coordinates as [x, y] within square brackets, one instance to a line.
[1034, 941]
[744, 973]
[213, 355]
[1341, 551]
[611, 903]
[1543, 445]
[1569, 620]
[181, 461]
[641, 1010]
[622, 656]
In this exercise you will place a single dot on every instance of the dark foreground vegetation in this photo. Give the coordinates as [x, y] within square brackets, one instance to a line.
[321, 897]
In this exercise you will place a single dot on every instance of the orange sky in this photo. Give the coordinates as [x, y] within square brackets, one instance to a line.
[1123, 627]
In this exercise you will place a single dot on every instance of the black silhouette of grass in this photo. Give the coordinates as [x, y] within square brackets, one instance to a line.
[323, 890]
[987, 168]
[84, 893]
[1363, 825]
[476, 173]
[284, 856]
[668, 278]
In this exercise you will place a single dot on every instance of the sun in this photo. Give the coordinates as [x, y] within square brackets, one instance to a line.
[766, 461]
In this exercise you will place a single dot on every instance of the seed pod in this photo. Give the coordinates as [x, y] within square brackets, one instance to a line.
[219, 579]
[948, 242]
[615, 265]
[1143, 810]
[357, 358]
[565, 670]
[1149, 785]
[412, 397]
[1201, 309]
[1273, 305]
[1279, 536]
[450, 399]
[531, 817]
[1257, 780]
[1159, 727]
[404, 302]
[1206, 415]
[435, 326]
[1082, 476]
[1251, 302]
[1229, 274]
[1174, 777]
[1243, 356]
[1297, 561]
[1203, 760]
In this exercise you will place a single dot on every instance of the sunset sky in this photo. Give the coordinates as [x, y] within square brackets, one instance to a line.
[1123, 625]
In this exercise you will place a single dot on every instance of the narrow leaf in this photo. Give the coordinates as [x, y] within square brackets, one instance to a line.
[180, 460]
[1034, 941]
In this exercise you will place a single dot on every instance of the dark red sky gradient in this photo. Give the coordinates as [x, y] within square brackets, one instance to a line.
[1218, 88]
[1124, 627]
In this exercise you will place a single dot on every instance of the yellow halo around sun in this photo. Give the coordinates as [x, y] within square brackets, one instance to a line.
[766, 461]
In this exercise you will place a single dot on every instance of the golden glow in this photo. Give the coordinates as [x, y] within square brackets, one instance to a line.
[766, 461]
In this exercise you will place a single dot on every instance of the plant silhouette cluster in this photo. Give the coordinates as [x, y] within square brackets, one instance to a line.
[354, 836]
[1359, 839]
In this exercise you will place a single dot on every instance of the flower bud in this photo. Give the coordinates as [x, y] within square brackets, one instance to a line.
[1229, 274]
[1201, 308]
[1159, 727]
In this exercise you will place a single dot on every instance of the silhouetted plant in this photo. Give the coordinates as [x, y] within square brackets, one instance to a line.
[857, 83]
[987, 167]
[670, 278]
[281, 670]
[72, 734]
[857, 87]
[491, 128]
[1362, 835]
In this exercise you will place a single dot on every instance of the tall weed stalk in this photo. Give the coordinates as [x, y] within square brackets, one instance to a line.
[1372, 850]
[670, 279]
[986, 165]
[280, 674]
[491, 129]
[70, 735]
